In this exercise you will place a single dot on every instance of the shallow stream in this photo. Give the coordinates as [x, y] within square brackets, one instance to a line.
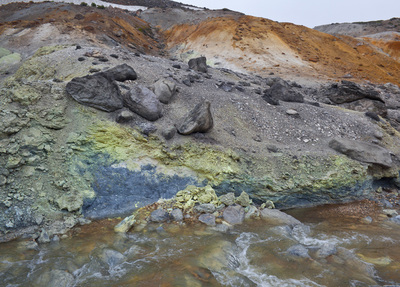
[328, 249]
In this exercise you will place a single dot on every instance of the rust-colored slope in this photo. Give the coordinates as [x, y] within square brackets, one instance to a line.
[257, 44]
[391, 47]
[89, 23]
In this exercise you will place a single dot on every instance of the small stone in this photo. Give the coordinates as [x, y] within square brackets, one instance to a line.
[326, 250]
[31, 245]
[244, 199]
[234, 214]
[390, 212]
[114, 56]
[299, 251]
[221, 228]
[3, 180]
[227, 199]
[44, 237]
[205, 208]
[124, 116]
[292, 112]
[367, 220]
[125, 224]
[176, 66]
[81, 59]
[199, 119]
[169, 132]
[208, 219]
[378, 135]
[159, 215]
[177, 214]
[198, 64]
[396, 219]
[252, 212]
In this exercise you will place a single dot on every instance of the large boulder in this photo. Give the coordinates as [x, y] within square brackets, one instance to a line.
[282, 91]
[99, 91]
[347, 92]
[197, 120]
[198, 64]
[143, 102]
[164, 90]
[362, 151]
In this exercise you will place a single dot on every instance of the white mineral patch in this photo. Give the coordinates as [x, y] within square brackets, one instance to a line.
[78, 2]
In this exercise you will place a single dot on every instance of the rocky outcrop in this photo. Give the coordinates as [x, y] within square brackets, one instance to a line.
[143, 102]
[347, 92]
[197, 120]
[362, 151]
[282, 91]
[98, 91]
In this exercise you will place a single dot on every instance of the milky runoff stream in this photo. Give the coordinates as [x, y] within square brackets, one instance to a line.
[323, 251]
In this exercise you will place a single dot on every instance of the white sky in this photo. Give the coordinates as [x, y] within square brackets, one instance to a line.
[309, 13]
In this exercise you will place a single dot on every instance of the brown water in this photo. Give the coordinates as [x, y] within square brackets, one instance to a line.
[339, 251]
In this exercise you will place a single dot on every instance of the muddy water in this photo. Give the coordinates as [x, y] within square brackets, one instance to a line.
[328, 249]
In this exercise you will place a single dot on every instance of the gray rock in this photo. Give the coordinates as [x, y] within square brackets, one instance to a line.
[367, 220]
[44, 237]
[169, 132]
[112, 257]
[243, 199]
[197, 120]
[326, 250]
[396, 219]
[177, 214]
[282, 91]
[227, 199]
[298, 250]
[347, 92]
[164, 90]
[234, 214]
[147, 128]
[208, 219]
[122, 73]
[159, 215]
[221, 228]
[362, 151]
[198, 64]
[143, 102]
[124, 116]
[204, 208]
[99, 91]
[278, 217]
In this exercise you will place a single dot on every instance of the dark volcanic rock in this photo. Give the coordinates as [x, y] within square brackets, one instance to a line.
[282, 91]
[362, 151]
[98, 91]
[208, 219]
[122, 73]
[198, 120]
[159, 215]
[348, 92]
[143, 102]
[198, 64]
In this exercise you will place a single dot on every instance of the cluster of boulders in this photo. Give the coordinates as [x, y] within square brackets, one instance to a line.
[203, 205]
[101, 91]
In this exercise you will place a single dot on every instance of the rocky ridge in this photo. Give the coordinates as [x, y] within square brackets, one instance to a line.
[96, 125]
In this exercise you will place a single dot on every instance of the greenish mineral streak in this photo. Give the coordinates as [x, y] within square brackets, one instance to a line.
[124, 143]
[186, 199]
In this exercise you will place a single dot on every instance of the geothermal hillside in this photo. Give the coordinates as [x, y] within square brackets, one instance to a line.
[106, 110]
